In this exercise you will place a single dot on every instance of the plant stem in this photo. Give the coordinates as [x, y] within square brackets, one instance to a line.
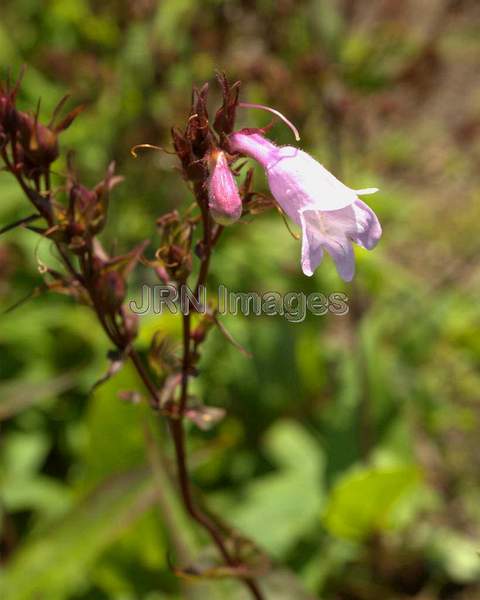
[178, 436]
[185, 364]
[114, 333]
[144, 377]
[176, 424]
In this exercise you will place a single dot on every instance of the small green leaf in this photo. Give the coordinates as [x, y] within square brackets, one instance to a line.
[364, 500]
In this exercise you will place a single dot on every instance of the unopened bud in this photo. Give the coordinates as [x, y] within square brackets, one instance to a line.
[223, 198]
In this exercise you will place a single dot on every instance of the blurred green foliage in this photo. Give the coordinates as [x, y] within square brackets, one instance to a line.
[350, 450]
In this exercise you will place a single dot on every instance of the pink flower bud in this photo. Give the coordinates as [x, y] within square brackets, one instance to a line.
[223, 198]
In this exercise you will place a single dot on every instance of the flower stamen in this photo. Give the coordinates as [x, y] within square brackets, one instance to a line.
[133, 149]
[275, 112]
[287, 224]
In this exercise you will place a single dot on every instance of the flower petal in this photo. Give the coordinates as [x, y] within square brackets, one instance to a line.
[341, 250]
[357, 222]
[312, 251]
[297, 180]
[368, 228]
[366, 191]
[330, 213]
[317, 235]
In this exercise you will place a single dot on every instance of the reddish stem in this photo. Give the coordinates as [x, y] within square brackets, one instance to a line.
[115, 335]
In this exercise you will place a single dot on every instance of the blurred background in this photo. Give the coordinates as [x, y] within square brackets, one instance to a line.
[350, 452]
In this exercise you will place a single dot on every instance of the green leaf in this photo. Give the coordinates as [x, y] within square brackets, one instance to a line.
[16, 397]
[23, 453]
[22, 488]
[114, 439]
[54, 563]
[282, 584]
[277, 509]
[459, 554]
[364, 500]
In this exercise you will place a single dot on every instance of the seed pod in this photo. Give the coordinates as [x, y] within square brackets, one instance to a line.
[111, 289]
[40, 143]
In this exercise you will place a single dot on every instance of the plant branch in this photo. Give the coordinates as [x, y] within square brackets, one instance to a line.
[86, 267]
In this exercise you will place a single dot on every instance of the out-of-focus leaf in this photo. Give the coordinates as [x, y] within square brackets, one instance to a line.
[15, 397]
[21, 487]
[277, 509]
[24, 452]
[282, 584]
[43, 494]
[459, 554]
[114, 440]
[166, 322]
[363, 501]
[54, 563]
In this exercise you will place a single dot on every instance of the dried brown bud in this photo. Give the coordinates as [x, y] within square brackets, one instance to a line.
[194, 169]
[8, 114]
[194, 146]
[198, 131]
[110, 290]
[178, 256]
[39, 143]
[224, 122]
[168, 220]
[176, 261]
[81, 198]
[183, 148]
[87, 211]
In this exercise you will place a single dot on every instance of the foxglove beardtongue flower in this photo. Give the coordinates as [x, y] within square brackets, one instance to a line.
[224, 200]
[330, 214]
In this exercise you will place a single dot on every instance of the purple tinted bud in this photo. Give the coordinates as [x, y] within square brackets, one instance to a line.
[223, 198]
[330, 214]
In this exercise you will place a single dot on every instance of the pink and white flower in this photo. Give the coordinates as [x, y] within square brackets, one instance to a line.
[330, 214]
